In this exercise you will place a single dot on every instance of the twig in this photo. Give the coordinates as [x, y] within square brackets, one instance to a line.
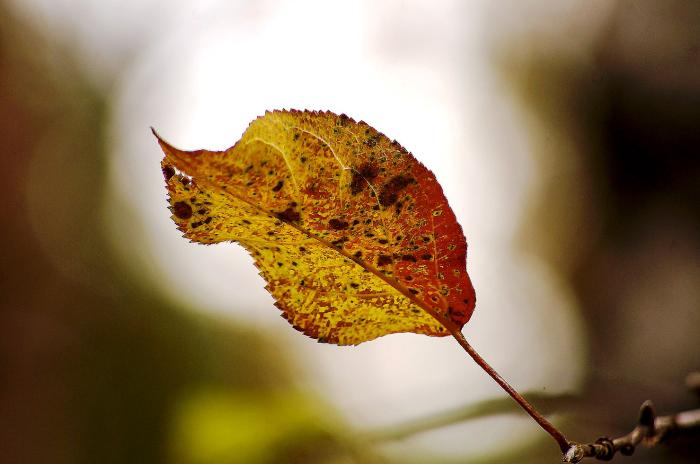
[548, 427]
[547, 403]
[650, 431]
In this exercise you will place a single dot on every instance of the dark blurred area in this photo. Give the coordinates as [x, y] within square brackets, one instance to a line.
[97, 367]
[620, 142]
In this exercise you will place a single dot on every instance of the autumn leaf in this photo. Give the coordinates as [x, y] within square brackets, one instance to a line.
[353, 235]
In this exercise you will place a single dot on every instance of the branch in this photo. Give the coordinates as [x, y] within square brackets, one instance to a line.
[547, 403]
[650, 431]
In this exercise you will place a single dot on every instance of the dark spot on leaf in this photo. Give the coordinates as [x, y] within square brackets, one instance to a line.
[409, 278]
[372, 140]
[339, 242]
[185, 181]
[182, 210]
[201, 211]
[355, 222]
[337, 224]
[358, 254]
[354, 285]
[384, 260]
[383, 241]
[367, 172]
[453, 312]
[427, 257]
[410, 258]
[245, 221]
[296, 136]
[302, 249]
[168, 172]
[207, 220]
[390, 190]
[413, 291]
[466, 301]
[278, 187]
[194, 225]
[289, 215]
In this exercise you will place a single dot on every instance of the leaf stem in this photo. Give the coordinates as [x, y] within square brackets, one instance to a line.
[548, 427]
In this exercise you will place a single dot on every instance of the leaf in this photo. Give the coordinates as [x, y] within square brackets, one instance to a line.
[352, 234]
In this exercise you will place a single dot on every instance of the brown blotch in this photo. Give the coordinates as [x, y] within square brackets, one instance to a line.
[339, 243]
[354, 285]
[390, 191]
[337, 224]
[367, 172]
[413, 291]
[289, 215]
[182, 210]
[408, 278]
[384, 260]
[410, 258]
[168, 172]
[453, 312]
[427, 257]
[278, 187]
[358, 254]
[373, 140]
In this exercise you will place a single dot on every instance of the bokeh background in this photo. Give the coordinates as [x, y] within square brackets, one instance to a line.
[565, 134]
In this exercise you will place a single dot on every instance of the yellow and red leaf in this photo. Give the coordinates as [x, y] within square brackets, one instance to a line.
[353, 235]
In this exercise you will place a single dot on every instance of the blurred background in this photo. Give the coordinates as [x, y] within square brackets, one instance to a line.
[564, 133]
